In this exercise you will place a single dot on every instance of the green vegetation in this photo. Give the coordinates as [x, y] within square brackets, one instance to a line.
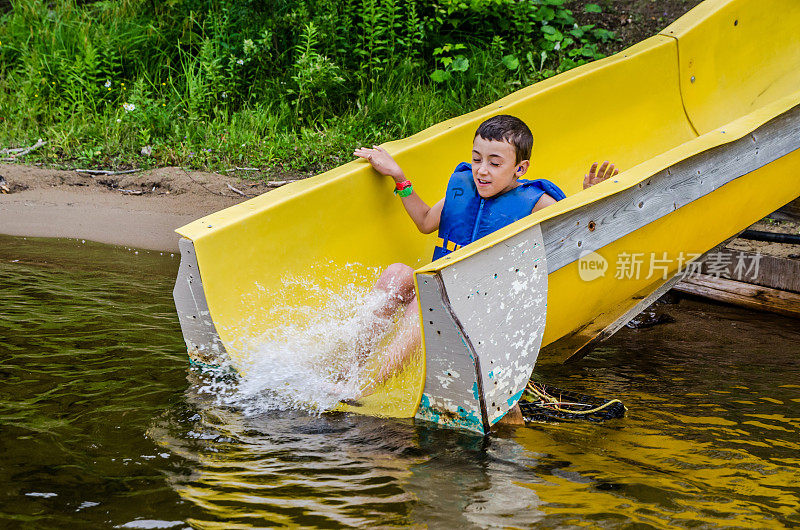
[289, 85]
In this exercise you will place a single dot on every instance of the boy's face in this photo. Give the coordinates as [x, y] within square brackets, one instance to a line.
[494, 167]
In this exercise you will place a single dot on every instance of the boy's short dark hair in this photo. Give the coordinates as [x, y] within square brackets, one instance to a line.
[505, 128]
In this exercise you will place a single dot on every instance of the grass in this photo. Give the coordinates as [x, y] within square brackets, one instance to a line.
[213, 85]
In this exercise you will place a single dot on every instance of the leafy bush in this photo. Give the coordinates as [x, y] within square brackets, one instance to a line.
[190, 76]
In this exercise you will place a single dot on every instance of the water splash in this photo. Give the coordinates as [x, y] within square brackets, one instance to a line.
[305, 346]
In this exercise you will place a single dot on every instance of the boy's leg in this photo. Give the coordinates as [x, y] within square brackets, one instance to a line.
[397, 280]
[403, 345]
[396, 284]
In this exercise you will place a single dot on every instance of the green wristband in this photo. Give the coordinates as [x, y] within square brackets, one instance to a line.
[405, 192]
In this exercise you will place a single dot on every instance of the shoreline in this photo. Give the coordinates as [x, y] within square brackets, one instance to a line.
[141, 209]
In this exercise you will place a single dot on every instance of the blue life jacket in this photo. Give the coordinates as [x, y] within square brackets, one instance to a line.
[467, 217]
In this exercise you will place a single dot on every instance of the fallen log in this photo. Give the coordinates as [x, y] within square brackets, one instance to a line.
[277, 183]
[107, 172]
[237, 168]
[235, 190]
[741, 294]
[20, 151]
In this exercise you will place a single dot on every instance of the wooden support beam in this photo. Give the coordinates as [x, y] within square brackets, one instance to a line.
[778, 273]
[590, 228]
[742, 294]
[790, 212]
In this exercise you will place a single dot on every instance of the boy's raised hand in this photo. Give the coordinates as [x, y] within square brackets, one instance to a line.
[596, 176]
[382, 161]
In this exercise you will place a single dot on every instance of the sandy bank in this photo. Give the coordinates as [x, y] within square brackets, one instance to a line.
[143, 209]
[56, 203]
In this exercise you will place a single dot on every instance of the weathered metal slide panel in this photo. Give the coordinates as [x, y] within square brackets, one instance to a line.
[452, 394]
[483, 321]
[500, 296]
[199, 332]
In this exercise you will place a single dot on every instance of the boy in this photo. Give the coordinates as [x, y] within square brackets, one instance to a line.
[480, 200]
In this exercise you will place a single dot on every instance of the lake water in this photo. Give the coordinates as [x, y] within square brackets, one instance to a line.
[103, 423]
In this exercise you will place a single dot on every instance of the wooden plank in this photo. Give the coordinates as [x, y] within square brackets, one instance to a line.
[648, 300]
[759, 269]
[790, 212]
[742, 294]
[629, 315]
[578, 344]
[575, 346]
[590, 228]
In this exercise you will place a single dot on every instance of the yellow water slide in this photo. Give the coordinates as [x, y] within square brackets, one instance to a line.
[704, 119]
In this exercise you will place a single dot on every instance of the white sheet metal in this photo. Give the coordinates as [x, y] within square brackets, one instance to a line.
[199, 332]
[500, 298]
[452, 395]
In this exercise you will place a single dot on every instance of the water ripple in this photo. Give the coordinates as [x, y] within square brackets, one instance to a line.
[103, 424]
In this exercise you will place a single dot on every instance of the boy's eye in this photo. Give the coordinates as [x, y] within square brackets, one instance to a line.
[495, 164]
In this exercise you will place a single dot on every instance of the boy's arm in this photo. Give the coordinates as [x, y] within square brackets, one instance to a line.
[544, 201]
[425, 217]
